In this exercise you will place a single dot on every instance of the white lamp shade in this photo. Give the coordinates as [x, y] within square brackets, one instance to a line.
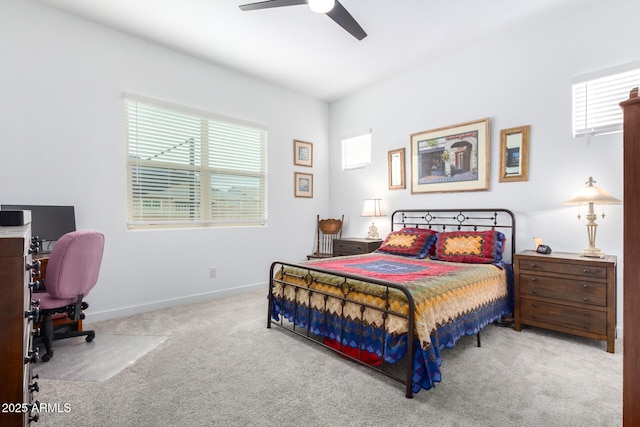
[373, 207]
[321, 6]
[591, 193]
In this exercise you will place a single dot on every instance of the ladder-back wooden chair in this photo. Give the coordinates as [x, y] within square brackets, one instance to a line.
[327, 230]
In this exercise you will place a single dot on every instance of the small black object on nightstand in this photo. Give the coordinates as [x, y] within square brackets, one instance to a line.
[543, 249]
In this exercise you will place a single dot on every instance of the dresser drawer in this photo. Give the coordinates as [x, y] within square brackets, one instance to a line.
[592, 293]
[350, 247]
[563, 268]
[354, 246]
[592, 321]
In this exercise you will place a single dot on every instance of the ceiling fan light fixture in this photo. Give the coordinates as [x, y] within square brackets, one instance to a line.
[321, 6]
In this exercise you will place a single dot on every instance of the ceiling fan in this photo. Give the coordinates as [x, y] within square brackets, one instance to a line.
[332, 8]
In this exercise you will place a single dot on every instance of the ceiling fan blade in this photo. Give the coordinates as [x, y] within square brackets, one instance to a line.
[270, 4]
[343, 18]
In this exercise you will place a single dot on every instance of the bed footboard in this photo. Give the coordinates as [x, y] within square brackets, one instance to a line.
[306, 314]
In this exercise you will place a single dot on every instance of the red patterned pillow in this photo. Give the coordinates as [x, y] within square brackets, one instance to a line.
[481, 247]
[412, 242]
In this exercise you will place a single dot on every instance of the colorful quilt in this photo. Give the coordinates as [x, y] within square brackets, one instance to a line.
[451, 300]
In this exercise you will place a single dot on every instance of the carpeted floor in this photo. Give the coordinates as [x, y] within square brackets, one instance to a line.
[220, 366]
[96, 361]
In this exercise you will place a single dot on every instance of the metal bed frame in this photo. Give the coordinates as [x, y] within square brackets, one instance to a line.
[439, 220]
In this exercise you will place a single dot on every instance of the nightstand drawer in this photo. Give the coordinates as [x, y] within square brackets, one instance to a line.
[563, 268]
[354, 246]
[579, 291]
[350, 247]
[591, 321]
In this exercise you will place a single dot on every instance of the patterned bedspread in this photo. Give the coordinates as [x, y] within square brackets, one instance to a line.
[451, 300]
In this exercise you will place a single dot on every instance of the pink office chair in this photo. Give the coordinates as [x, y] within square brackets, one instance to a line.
[72, 271]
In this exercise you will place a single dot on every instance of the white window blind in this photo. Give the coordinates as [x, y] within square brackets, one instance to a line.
[596, 109]
[191, 168]
[356, 151]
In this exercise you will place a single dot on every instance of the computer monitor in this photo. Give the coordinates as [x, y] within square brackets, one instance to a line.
[49, 223]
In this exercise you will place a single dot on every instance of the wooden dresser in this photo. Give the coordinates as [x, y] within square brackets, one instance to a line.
[631, 269]
[567, 293]
[354, 246]
[17, 385]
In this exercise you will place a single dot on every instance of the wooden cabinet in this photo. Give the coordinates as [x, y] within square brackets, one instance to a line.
[631, 270]
[16, 317]
[567, 293]
[354, 246]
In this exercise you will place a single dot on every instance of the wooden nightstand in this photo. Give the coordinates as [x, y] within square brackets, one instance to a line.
[567, 293]
[354, 246]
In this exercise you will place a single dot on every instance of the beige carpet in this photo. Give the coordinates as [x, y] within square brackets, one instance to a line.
[74, 359]
[220, 366]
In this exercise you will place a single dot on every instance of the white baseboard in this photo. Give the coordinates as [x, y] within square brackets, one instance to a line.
[143, 308]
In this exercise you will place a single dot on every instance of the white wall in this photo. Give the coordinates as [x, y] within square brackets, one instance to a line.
[519, 76]
[62, 140]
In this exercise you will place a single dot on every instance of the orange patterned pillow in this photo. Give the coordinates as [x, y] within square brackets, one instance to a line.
[470, 246]
[412, 242]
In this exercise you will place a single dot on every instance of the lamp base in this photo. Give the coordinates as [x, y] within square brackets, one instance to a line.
[592, 253]
[373, 232]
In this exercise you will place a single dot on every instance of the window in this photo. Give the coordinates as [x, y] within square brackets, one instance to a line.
[596, 108]
[356, 151]
[191, 168]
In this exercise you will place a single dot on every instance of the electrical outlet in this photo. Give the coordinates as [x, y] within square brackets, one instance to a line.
[212, 272]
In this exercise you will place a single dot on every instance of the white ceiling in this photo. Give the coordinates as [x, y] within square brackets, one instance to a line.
[306, 52]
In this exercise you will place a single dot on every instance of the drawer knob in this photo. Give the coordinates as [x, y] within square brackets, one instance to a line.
[33, 314]
[535, 304]
[35, 266]
[587, 314]
[585, 271]
[534, 279]
[35, 285]
[31, 357]
[534, 292]
[586, 327]
[585, 299]
[534, 265]
[586, 286]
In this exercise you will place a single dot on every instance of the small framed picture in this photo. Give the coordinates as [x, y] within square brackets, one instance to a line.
[302, 153]
[303, 184]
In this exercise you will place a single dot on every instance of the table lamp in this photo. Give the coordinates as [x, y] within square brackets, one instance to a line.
[590, 195]
[373, 208]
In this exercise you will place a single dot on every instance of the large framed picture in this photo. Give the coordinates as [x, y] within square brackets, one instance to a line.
[303, 184]
[452, 158]
[302, 153]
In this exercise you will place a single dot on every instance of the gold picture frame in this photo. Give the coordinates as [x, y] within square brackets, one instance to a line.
[303, 184]
[514, 154]
[396, 169]
[302, 153]
[452, 158]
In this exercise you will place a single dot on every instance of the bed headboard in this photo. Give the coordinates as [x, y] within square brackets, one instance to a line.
[439, 220]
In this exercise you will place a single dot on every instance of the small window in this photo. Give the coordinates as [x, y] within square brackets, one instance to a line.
[596, 109]
[189, 168]
[356, 151]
